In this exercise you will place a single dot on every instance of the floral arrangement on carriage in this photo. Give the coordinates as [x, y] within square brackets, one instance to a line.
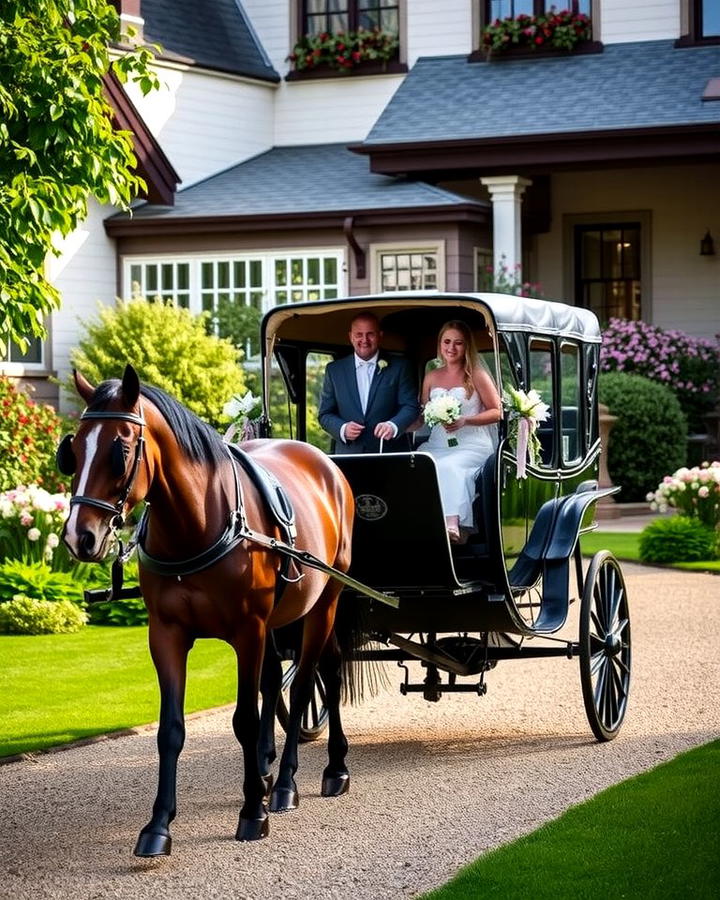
[245, 412]
[442, 410]
[525, 412]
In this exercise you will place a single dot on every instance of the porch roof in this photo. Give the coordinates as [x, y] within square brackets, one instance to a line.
[215, 35]
[326, 182]
[645, 90]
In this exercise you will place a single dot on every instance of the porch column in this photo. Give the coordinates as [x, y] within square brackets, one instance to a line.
[506, 195]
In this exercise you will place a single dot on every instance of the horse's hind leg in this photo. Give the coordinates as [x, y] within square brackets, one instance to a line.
[317, 627]
[169, 649]
[336, 778]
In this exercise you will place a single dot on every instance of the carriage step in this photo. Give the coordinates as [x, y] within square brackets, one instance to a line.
[479, 688]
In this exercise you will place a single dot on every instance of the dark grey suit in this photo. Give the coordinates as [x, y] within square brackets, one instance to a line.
[392, 398]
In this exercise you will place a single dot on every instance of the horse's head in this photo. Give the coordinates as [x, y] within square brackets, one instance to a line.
[105, 459]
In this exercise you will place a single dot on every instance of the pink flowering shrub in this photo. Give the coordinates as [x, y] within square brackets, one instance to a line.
[693, 492]
[31, 520]
[508, 281]
[689, 366]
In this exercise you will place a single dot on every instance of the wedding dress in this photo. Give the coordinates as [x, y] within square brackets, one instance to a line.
[458, 466]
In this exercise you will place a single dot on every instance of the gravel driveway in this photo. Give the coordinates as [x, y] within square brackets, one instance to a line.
[433, 785]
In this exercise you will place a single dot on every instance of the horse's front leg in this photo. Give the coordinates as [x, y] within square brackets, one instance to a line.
[169, 648]
[249, 646]
[270, 687]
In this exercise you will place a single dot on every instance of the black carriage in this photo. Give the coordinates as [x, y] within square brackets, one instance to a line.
[505, 593]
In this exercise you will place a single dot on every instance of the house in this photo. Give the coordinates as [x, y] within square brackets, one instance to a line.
[593, 171]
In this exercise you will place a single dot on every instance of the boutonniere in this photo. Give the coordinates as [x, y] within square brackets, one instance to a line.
[382, 364]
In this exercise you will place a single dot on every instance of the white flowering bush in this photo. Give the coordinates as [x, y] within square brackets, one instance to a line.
[31, 520]
[695, 493]
[29, 615]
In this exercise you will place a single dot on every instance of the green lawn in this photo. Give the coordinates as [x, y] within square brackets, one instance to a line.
[654, 836]
[58, 688]
[625, 545]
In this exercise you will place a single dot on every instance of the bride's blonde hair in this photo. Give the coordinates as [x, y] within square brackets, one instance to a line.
[471, 353]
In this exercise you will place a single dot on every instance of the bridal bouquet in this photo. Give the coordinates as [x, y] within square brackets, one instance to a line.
[245, 412]
[442, 410]
[525, 410]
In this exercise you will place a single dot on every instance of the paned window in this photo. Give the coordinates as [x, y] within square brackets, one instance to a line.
[608, 269]
[408, 271]
[32, 358]
[349, 15]
[707, 19]
[258, 281]
[511, 9]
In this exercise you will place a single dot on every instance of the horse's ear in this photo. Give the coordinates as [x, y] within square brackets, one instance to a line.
[83, 386]
[130, 386]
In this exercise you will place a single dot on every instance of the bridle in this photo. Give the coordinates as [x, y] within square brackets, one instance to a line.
[118, 520]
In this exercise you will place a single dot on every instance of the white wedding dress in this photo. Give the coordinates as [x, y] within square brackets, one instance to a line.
[458, 466]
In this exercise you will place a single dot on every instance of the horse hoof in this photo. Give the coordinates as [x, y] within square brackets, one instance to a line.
[268, 782]
[335, 785]
[252, 829]
[150, 843]
[284, 799]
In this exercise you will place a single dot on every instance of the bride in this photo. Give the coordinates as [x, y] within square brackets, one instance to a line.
[462, 376]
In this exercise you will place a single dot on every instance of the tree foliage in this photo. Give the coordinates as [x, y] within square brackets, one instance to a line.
[58, 145]
[170, 349]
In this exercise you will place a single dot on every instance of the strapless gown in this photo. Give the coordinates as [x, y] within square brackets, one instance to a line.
[458, 466]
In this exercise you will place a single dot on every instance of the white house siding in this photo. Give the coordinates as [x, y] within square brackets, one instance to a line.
[331, 110]
[271, 21]
[683, 203]
[85, 274]
[641, 20]
[438, 30]
[206, 122]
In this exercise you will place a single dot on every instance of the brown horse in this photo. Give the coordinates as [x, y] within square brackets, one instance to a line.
[201, 580]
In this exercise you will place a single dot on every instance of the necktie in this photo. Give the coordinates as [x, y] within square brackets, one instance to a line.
[364, 377]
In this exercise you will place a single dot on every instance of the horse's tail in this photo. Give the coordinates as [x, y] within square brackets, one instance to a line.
[360, 678]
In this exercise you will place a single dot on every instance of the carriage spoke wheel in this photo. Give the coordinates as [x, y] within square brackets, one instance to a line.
[605, 648]
[529, 602]
[314, 719]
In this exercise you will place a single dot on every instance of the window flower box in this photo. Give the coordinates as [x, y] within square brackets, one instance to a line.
[344, 52]
[552, 31]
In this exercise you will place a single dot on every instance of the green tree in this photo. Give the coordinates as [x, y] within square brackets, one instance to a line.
[58, 145]
[170, 349]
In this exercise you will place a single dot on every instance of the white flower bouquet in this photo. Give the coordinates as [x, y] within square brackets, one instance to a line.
[525, 410]
[245, 412]
[442, 410]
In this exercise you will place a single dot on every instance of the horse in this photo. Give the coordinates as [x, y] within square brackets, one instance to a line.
[209, 568]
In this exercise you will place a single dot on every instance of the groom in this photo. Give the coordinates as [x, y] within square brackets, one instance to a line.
[366, 396]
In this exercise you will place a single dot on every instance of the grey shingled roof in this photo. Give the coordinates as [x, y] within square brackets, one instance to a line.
[215, 35]
[316, 178]
[634, 85]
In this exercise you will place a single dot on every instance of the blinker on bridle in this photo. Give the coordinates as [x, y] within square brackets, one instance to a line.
[67, 463]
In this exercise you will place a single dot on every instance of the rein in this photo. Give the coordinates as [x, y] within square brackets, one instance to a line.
[118, 520]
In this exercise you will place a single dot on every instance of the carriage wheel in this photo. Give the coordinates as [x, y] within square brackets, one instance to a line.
[529, 602]
[314, 720]
[605, 649]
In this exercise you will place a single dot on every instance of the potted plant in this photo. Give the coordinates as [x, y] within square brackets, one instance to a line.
[552, 30]
[343, 51]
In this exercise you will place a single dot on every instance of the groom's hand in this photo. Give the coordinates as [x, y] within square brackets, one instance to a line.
[353, 430]
[385, 430]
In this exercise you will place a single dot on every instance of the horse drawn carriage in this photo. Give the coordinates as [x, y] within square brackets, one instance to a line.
[240, 543]
[504, 593]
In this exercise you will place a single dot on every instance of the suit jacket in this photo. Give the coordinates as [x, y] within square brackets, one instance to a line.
[393, 397]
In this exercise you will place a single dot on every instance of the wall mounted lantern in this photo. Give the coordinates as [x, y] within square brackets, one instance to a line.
[707, 245]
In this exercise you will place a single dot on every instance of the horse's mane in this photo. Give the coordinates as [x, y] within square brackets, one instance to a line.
[198, 441]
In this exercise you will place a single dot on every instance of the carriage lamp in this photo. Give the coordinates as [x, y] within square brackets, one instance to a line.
[707, 245]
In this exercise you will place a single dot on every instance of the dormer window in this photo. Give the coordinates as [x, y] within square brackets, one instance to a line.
[511, 9]
[331, 16]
